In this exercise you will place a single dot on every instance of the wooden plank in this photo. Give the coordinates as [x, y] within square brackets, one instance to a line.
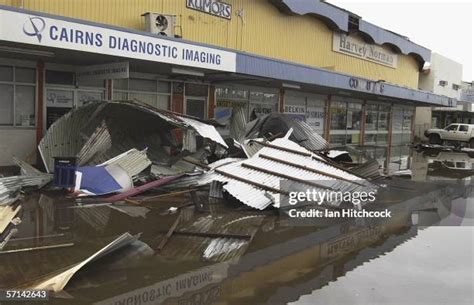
[168, 235]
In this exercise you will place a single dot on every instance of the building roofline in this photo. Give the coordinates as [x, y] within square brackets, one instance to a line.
[337, 18]
[261, 66]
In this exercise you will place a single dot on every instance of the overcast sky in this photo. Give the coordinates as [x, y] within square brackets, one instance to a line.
[444, 27]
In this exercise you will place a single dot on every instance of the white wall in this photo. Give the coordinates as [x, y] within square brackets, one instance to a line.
[422, 121]
[17, 142]
[442, 68]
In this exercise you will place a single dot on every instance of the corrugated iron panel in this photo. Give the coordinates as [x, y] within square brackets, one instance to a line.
[238, 122]
[97, 143]
[63, 138]
[205, 130]
[210, 248]
[9, 186]
[261, 185]
[82, 127]
[132, 161]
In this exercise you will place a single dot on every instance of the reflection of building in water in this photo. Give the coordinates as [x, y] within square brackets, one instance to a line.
[283, 263]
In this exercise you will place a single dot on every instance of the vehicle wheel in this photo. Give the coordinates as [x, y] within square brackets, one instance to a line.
[471, 143]
[434, 139]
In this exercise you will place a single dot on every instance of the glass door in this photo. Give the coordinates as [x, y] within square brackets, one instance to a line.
[196, 106]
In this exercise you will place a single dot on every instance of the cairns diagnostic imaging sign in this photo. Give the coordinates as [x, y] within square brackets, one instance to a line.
[57, 33]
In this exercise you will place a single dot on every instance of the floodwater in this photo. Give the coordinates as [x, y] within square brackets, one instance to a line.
[423, 254]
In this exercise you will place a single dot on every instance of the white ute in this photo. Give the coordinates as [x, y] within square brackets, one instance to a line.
[454, 132]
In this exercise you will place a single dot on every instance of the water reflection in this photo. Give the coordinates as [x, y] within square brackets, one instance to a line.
[244, 257]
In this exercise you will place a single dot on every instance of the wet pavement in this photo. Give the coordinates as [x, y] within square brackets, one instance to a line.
[423, 254]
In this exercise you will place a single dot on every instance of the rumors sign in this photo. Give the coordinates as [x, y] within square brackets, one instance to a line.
[213, 7]
[356, 47]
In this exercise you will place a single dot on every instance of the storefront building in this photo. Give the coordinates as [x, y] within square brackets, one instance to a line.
[353, 82]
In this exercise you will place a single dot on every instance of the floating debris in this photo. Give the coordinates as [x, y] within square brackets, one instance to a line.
[7, 214]
[101, 180]
[30, 177]
[57, 282]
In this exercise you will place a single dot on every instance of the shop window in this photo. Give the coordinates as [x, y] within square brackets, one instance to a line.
[196, 90]
[354, 115]
[456, 87]
[371, 117]
[6, 74]
[142, 85]
[60, 78]
[401, 137]
[17, 96]
[152, 92]
[338, 116]
[295, 107]
[196, 107]
[85, 97]
[97, 83]
[262, 103]
[376, 124]
[25, 75]
[232, 94]
[315, 112]
[121, 84]
[163, 102]
[228, 100]
[6, 104]
[346, 122]
[25, 106]
[146, 98]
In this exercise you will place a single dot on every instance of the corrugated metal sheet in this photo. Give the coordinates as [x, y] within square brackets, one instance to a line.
[238, 122]
[130, 124]
[272, 124]
[205, 130]
[213, 248]
[9, 186]
[99, 142]
[26, 168]
[63, 138]
[189, 140]
[215, 190]
[370, 170]
[132, 161]
[257, 181]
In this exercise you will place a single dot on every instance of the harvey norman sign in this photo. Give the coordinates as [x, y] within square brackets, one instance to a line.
[57, 33]
[213, 7]
[356, 47]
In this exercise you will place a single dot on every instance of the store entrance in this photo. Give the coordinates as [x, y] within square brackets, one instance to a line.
[60, 101]
[196, 106]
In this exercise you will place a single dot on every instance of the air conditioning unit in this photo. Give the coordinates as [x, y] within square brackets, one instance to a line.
[160, 24]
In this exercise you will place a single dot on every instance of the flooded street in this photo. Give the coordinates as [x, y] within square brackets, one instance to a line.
[422, 254]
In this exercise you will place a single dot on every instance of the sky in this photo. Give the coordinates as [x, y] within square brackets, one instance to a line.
[444, 27]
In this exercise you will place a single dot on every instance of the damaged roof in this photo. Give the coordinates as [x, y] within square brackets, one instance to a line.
[99, 131]
[257, 181]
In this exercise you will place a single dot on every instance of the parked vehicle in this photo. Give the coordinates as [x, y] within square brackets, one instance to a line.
[454, 132]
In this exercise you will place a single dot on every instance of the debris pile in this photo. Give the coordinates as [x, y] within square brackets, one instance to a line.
[123, 154]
